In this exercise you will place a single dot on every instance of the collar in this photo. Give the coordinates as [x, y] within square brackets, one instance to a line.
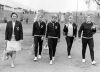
[88, 22]
[70, 23]
[13, 21]
[53, 22]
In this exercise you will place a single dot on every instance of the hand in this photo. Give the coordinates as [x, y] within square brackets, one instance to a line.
[42, 37]
[66, 25]
[93, 27]
[74, 38]
[5, 41]
[32, 46]
[46, 39]
[33, 37]
[79, 39]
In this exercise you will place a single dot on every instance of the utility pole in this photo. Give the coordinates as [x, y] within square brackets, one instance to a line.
[77, 12]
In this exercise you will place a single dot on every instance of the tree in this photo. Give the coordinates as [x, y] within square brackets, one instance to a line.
[87, 3]
[98, 2]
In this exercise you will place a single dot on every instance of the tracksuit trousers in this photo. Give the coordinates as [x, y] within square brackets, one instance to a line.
[90, 42]
[69, 41]
[52, 43]
[37, 42]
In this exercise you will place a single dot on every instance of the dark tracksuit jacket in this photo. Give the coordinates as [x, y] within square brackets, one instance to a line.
[53, 31]
[87, 38]
[87, 31]
[39, 30]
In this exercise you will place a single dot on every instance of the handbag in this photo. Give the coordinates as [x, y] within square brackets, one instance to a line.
[46, 46]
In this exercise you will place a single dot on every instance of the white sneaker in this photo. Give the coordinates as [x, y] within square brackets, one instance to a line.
[51, 62]
[83, 60]
[35, 59]
[53, 58]
[12, 65]
[39, 56]
[69, 57]
[93, 62]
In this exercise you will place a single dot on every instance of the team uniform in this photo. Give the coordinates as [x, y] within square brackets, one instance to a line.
[53, 34]
[39, 29]
[87, 38]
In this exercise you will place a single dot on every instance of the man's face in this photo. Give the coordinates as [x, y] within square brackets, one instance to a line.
[40, 18]
[88, 19]
[14, 17]
[53, 18]
[70, 19]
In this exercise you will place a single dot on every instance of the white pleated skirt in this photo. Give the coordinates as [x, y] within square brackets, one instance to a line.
[13, 46]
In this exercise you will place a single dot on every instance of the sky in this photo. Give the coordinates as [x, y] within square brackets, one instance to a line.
[52, 5]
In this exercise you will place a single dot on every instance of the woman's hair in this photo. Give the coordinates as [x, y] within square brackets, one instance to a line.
[13, 13]
[54, 17]
[88, 16]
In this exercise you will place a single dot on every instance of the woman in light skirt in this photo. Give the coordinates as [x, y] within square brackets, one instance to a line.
[13, 37]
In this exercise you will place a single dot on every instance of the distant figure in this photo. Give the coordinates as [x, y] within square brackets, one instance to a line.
[53, 37]
[46, 21]
[36, 16]
[21, 19]
[98, 14]
[39, 29]
[26, 20]
[81, 13]
[87, 29]
[5, 20]
[13, 37]
[70, 32]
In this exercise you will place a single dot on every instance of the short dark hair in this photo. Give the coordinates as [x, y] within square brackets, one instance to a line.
[54, 17]
[13, 13]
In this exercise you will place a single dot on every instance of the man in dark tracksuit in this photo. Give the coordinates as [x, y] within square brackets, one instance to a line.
[70, 32]
[53, 35]
[39, 28]
[88, 29]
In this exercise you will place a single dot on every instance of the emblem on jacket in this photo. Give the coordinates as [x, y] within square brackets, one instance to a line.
[74, 27]
[56, 27]
[17, 28]
[41, 26]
